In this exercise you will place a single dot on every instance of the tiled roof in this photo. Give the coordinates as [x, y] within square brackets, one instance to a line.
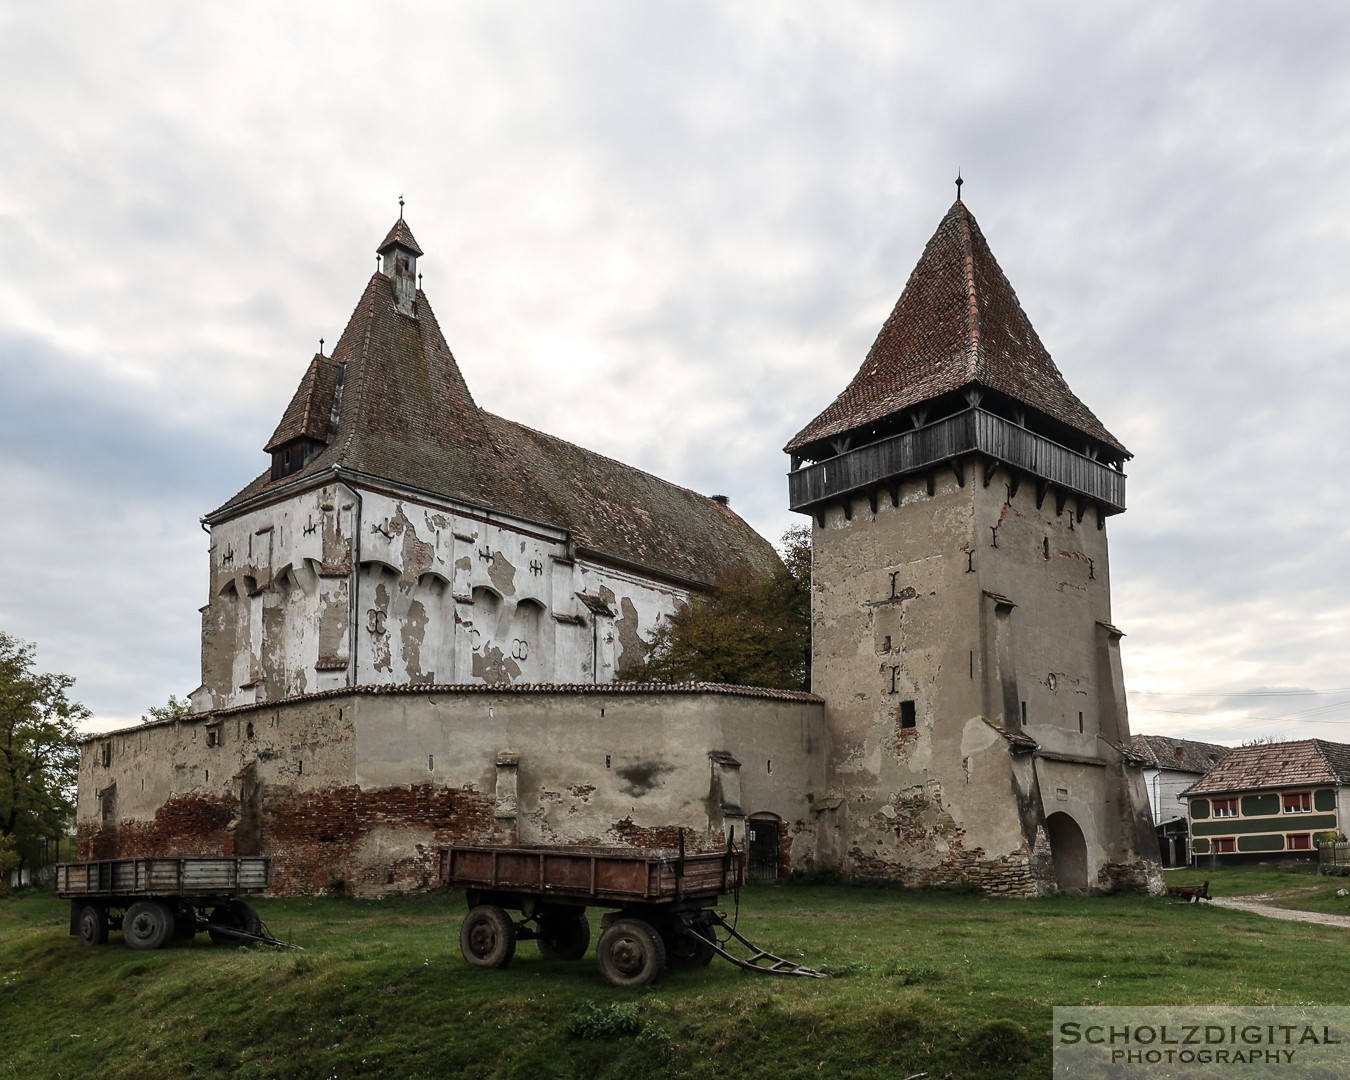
[407, 416]
[957, 323]
[308, 414]
[1181, 755]
[400, 234]
[612, 689]
[1277, 765]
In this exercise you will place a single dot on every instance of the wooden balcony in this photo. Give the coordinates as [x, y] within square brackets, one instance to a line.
[972, 431]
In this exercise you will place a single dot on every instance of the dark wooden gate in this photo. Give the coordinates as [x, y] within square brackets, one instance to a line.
[763, 853]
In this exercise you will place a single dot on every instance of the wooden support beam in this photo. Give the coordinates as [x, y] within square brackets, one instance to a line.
[932, 482]
[1042, 486]
[1014, 484]
[894, 485]
[872, 499]
[1061, 497]
[959, 468]
[990, 468]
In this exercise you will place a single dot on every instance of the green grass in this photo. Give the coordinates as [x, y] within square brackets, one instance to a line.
[942, 983]
[1298, 886]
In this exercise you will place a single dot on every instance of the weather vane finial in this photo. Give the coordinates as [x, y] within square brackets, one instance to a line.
[400, 208]
[959, 182]
[320, 346]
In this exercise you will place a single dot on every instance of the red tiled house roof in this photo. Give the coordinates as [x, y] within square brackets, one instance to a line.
[957, 324]
[1181, 755]
[405, 415]
[1278, 765]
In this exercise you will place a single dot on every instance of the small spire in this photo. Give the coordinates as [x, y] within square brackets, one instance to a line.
[320, 346]
[959, 182]
[419, 279]
[400, 207]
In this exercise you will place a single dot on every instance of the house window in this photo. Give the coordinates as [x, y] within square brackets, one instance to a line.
[1299, 841]
[1225, 845]
[1298, 802]
[908, 714]
[1225, 808]
[105, 753]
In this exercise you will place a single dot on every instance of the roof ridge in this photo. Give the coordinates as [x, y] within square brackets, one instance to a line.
[973, 312]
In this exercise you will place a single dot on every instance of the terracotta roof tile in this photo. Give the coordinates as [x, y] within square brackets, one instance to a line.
[310, 410]
[957, 323]
[1277, 765]
[407, 416]
[612, 689]
[1182, 755]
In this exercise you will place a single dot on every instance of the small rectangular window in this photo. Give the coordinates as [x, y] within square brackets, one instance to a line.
[908, 714]
[1225, 808]
[1298, 802]
[1225, 845]
[105, 753]
[1298, 841]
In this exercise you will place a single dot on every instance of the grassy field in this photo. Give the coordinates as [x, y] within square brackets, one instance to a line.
[945, 984]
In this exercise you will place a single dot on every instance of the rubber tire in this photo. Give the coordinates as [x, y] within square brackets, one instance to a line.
[93, 923]
[487, 937]
[688, 949]
[184, 924]
[147, 924]
[237, 915]
[564, 933]
[631, 954]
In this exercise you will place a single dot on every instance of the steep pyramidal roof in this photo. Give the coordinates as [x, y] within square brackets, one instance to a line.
[957, 323]
[1277, 765]
[399, 234]
[404, 414]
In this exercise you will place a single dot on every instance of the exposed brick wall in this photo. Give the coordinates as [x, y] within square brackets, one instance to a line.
[185, 825]
[1006, 875]
[665, 838]
[319, 837]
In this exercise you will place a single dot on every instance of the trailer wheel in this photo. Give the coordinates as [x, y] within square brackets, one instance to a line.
[689, 949]
[93, 924]
[631, 954]
[234, 915]
[564, 933]
[147, 925]
[488, 937]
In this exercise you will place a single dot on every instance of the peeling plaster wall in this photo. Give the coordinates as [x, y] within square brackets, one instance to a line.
[442, 594]
[363, 789]
[964, 604]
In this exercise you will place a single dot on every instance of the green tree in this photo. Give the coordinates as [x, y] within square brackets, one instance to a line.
[173, 709]
[39, 752]
[752, 631]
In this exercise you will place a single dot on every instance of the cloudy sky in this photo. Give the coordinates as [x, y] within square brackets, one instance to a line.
[669, 232]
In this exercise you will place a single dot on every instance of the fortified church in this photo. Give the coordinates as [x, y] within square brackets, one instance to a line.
[417, 613]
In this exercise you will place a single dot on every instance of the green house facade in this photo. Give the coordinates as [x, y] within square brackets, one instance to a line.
[1271, 802]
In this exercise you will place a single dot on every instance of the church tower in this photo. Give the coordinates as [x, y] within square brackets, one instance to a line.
[961, 602]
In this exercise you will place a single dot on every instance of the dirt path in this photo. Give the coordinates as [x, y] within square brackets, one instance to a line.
[1272, 912]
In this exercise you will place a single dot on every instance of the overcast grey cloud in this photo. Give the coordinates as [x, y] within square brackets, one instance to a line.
[669, 232]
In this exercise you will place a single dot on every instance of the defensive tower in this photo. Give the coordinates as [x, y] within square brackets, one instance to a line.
[961, 601]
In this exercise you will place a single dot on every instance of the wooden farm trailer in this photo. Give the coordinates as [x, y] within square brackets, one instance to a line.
[155, 901]
[663, 907]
